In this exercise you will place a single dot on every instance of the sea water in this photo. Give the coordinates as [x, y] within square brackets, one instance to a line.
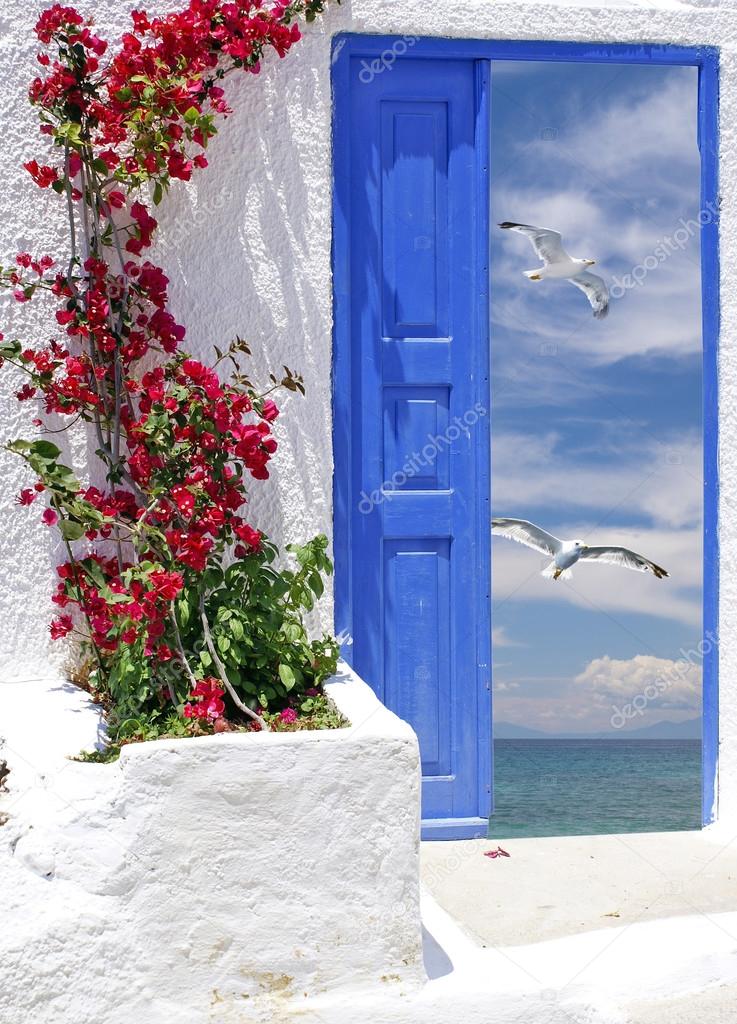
[589, 787]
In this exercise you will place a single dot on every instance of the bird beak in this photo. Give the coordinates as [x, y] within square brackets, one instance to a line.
[591, 262]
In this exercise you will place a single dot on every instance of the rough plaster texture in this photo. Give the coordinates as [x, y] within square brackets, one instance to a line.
[248, 250]
[210, 878]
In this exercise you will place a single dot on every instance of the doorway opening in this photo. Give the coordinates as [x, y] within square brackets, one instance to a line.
[596, 412]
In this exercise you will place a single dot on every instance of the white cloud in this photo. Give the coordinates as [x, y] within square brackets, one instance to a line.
[661, 480]
[500, 638]
[653, 131]
[503, 687]
[665, 683]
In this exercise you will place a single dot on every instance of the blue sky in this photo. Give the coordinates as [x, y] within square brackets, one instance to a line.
[596, 425]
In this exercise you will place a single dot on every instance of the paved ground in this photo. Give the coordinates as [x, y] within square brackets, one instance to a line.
[714, 1006]
[550, 888]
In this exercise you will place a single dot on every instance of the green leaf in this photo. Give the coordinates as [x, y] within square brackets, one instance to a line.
[46, 450]
[10, 349]
[316, 584]
[18, 447]
[191, 115]
[94, 571]
[70, 530]
[293, 632]
[213, 577]
[287, 676]
[183, 611]
[235, 655]
[158, 193]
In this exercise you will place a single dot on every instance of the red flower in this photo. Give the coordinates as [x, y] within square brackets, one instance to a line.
[42, 175]
[269, 411]
[249, 536]
[288, 715]
[54, 19]
[61, 627]
[194, 551]
[50, 517]
[167, 584]
[26, 497]
[184, 499]
[207, 696]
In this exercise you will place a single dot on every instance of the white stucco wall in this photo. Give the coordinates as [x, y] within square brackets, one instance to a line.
[248, 251]
[219, 876]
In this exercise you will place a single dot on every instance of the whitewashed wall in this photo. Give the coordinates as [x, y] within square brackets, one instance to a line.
[214, 879]
[248, 250]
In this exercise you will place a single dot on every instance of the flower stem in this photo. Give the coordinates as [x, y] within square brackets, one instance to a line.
[222, 672]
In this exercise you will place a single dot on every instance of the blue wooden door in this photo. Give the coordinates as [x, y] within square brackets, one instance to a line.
[412, 410]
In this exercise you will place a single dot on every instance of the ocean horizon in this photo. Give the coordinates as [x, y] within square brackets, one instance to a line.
[559, 787]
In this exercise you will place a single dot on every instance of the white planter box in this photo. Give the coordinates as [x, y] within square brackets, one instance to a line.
[237, 872]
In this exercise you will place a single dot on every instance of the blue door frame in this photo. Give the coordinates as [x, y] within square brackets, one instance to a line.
[353, 55]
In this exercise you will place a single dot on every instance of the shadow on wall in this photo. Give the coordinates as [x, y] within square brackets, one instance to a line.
[437, 962]
[247, 249]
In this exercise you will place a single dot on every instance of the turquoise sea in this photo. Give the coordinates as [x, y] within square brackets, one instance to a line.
[588, 787]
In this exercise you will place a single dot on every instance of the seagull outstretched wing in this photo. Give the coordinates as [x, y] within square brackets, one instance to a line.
[546, 243]
[595, 291]
[527, 533]
[624, 557]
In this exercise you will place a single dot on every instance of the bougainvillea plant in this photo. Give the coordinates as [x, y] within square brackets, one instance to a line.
[175, 594]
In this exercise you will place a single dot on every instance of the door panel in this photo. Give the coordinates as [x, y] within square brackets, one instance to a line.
[411, 181]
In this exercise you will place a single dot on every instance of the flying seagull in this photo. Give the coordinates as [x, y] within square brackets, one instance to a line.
[565, 553]
[557, 263]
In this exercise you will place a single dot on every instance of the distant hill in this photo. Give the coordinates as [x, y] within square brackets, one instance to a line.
[665, 730]
[509, 731]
